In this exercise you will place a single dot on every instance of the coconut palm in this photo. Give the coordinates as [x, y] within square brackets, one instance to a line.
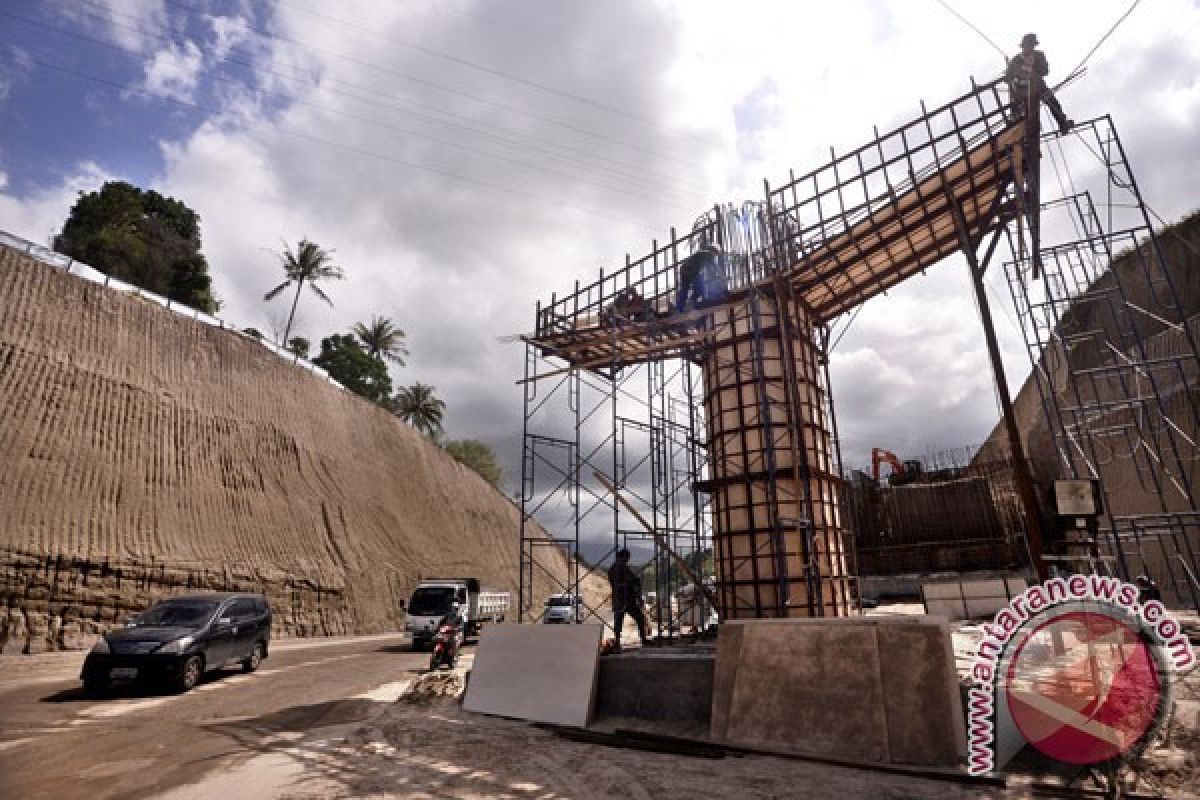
[418, 406]
[310, 264]
[382, 339]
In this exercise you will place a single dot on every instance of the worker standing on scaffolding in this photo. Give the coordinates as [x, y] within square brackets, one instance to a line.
[626, 596]
[1026, 74]
[694, 272]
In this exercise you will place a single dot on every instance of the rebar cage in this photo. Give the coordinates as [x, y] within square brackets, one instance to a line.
[729, 402]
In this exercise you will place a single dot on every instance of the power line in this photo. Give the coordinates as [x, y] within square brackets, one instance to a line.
[526, 145]
[440, 54]
[344, 147]
[377, 123]
[266, 34]
[673, 179]
[1104, 38]
[968, 23]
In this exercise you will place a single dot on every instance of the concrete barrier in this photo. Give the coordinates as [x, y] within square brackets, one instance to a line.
[975, 599]
[544, 673]
[874, 689]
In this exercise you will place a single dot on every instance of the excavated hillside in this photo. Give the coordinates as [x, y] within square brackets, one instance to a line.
[143, 453]
[1130, 489]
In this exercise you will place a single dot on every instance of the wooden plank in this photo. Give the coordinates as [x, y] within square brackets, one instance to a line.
[622, 357]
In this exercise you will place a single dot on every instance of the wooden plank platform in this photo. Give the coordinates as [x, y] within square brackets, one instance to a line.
[887, 246]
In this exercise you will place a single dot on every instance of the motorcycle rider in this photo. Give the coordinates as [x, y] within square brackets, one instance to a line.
[454, 619]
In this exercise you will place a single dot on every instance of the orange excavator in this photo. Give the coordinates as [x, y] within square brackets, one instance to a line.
[880, 456]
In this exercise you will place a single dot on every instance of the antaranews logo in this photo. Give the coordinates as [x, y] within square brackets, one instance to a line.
[1081, 670]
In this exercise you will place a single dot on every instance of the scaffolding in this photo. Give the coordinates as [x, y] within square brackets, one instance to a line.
[1113, 353]
[719, 420]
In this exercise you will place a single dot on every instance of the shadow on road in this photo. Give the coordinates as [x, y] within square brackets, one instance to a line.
[395, 648]
[133, 689]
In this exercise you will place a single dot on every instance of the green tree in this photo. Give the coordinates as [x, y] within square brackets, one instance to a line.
[299, 345]
[418, 406]
[348, 364]
[143, 238]
[310, 264]
[382, 339]
[479, 457]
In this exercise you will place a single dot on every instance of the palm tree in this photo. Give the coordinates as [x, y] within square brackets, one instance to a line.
[382, 339]
[418, 406]
[309, 264]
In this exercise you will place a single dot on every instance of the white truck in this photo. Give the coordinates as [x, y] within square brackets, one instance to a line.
[433, 598]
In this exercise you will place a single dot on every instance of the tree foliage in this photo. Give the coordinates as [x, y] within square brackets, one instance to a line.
[308, 263]
[299, 345]
[348, 364]
[382, 339]
[143, 238]
[478, 456]
[419, 406]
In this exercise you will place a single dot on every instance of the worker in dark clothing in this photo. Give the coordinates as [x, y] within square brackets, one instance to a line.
[626, 596]
[1147, 590]
[1026, 74]
[693, 273]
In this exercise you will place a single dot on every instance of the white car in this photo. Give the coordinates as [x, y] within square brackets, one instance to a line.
[564, 608]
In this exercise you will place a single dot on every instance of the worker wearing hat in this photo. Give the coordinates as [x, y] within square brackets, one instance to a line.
[1026, 74]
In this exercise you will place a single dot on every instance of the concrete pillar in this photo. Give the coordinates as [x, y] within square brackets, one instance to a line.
[781, 550]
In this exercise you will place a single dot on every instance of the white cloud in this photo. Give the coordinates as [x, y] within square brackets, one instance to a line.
[174, 72]
[134, 24]
[228, 33]
[40, 215]
[15, 67]
[731, 98]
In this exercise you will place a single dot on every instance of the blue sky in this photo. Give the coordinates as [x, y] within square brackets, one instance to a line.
[464, 158]
[56, 119]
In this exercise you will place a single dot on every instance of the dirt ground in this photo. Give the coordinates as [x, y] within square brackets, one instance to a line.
[425, 747]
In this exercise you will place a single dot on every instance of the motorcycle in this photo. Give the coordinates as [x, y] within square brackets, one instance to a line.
[446, 644]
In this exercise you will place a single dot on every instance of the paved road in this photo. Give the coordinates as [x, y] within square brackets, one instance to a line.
[57, 743]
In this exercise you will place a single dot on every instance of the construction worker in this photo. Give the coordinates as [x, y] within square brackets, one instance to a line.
[628, 306]
[626, 596]
[693, 272]
[1147, 590]
[1026, 74]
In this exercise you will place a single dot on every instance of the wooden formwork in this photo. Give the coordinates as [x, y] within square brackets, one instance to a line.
[777, 525]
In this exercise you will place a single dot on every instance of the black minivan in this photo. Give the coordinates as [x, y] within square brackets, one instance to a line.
[178, 639]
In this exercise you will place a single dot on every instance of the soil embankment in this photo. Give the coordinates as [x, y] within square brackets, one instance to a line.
[143, 453]
[1124, 437]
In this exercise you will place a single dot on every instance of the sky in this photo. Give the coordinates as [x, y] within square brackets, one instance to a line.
[464, 159]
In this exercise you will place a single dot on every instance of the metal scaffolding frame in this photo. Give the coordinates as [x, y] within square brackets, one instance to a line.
[762, 448]
[1113, 353]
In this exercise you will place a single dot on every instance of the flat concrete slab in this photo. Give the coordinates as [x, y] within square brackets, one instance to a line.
[970, 599]
[544, 673]
[872, 689]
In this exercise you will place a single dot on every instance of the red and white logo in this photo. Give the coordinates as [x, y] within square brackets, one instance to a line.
[1079, 667]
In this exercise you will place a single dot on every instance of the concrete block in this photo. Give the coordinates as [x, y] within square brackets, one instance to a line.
[939, 591]
[990, 588]
[921, 697]
[951, 609]
[544, 673]
[658, 685]
[970, 599]
[856, 688]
